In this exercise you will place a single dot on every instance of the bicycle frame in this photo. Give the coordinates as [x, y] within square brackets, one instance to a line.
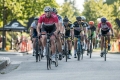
[79, 47]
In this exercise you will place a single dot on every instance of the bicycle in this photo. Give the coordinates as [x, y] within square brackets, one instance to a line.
[65, 52]
[79, 48]
[48, 51]
[38, 50]
[90, 46]
[105, 46]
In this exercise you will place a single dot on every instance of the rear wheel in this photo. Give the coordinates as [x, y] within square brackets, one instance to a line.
[37, 54]
[66, 53]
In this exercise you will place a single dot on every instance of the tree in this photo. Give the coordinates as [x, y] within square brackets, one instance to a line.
[68, 9]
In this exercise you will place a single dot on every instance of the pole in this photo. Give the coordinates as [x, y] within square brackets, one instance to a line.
[3, 32]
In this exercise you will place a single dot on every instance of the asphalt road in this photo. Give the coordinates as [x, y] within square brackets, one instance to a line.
[25, 68]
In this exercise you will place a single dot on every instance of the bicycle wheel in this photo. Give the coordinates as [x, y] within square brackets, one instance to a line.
[37, 50]
[39, 53]
[48, 57]
[78, 51]
[56, 60]
[90, 50]
[81, 52]
[66, 54]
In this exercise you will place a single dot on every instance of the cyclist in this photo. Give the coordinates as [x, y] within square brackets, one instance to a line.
[68, 32]
[48, 23]
[33, 32]
[59, 44]
[105, 27]
[78, 30]
[85, 24]
[91, 33]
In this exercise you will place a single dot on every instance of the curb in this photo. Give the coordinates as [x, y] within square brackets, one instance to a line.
[4, 61]
[12, 53]
[3, 64]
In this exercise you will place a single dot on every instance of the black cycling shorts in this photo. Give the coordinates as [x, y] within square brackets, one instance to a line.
[104, 32]
[76, 32]
[67, 33]
[48, 29]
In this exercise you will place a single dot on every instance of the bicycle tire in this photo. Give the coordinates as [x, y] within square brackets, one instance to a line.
[78, 51]
[66, 51]
[56, 60]
[90, 50]
[81, 52]
[48, 57]
[36, 50]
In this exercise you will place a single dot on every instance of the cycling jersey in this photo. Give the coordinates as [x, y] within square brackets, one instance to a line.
[77, 28]
[84, 24]
[48, 23]
[60, 19]
[93, 31]
[105, 27]
[34, 26]
[67, 29]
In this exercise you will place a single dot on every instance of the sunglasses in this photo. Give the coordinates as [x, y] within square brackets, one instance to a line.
[47, 11]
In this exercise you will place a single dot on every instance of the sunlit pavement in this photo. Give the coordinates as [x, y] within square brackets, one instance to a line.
[87, 69]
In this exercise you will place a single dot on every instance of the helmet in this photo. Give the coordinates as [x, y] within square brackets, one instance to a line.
[78, 18]
[103, 19]
[83, 18]
[47, 8]
[91, 22]
[36, 18]
[65, 19]
[54, 10]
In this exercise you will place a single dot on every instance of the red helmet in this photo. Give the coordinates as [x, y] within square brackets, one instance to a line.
[91, 22]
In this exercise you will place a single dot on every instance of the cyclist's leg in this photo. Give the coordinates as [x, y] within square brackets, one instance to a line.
[34, 40]
[88, 46]
[69, 47]
[43, 40]
[82, 39]
[108, 33]
[59, 45]
[85, 37]
[75, 42]
[53, 47]
[102, 41]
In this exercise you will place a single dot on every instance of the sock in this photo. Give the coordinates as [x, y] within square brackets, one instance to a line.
[74, 51]
[70, 52]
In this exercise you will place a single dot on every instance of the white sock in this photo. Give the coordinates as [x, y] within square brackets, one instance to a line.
[74, 51]
[62, 47]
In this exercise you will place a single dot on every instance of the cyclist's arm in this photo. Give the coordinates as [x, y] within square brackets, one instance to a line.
[98, 29]
[39, 25]
[31, 31]
[56, 24]
[38, 28]
[85, 31]
[61, 28]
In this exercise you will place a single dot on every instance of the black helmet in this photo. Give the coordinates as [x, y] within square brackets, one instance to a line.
[78, 18]
[36, 18]
[54, 10]
[65, 19]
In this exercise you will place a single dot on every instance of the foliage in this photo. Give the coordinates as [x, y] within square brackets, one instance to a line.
[22, 10]
[68, 9]
[94, 9]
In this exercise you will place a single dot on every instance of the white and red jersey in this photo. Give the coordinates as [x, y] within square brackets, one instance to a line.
[48, 21]
[105, 27]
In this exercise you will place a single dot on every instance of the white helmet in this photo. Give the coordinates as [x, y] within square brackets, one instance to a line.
[83, 18]
[47, 8]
